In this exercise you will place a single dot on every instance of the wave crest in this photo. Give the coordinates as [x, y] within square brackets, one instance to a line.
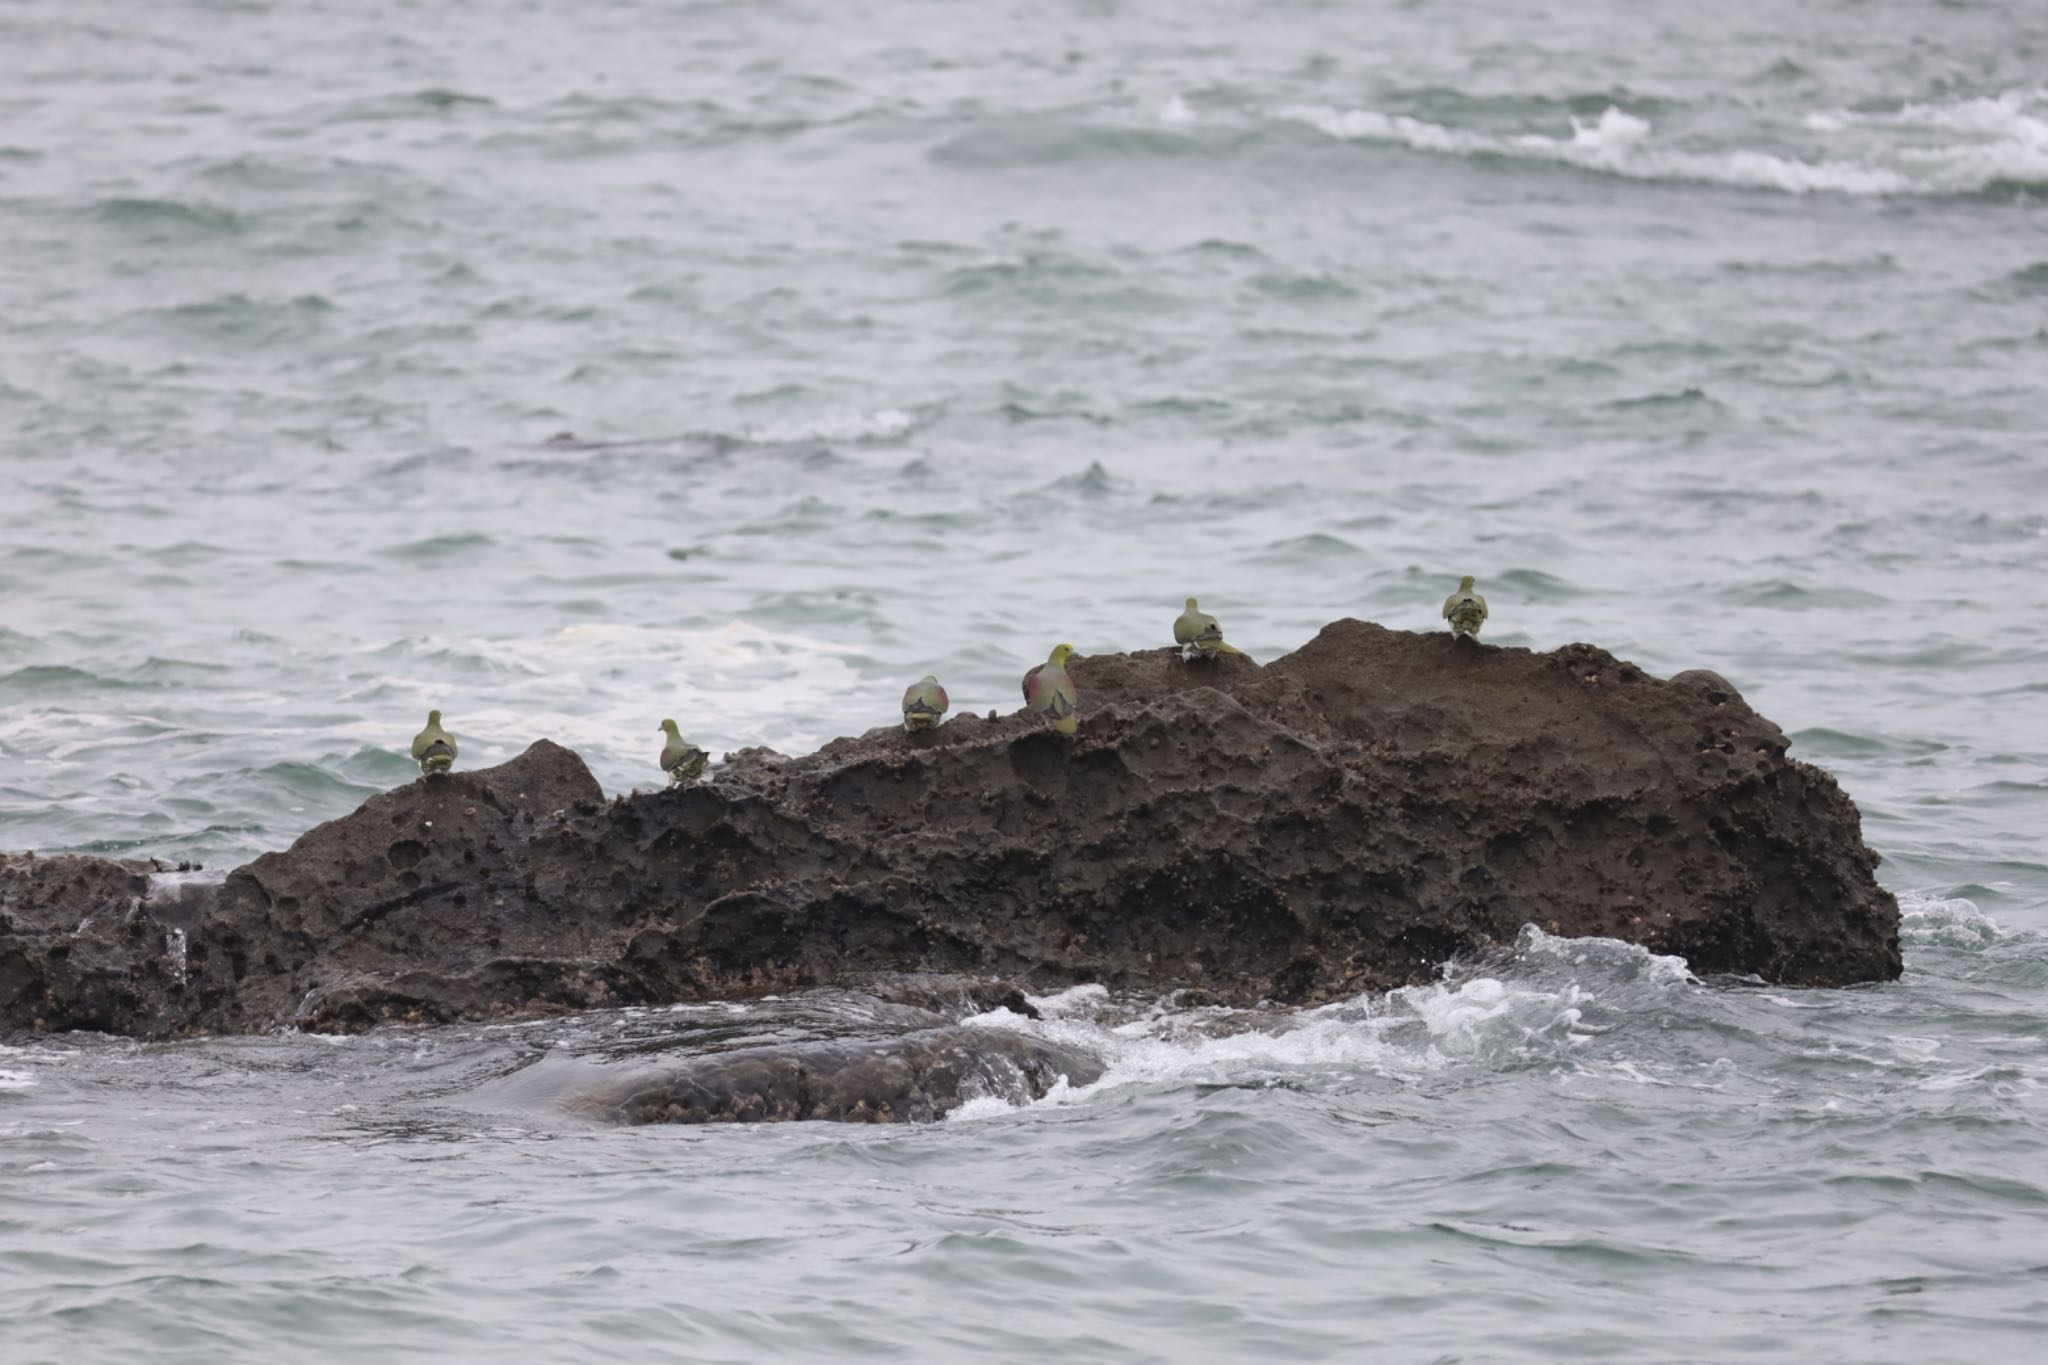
[2004, 145]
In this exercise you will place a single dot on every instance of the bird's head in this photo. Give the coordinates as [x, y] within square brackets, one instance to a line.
[433, 717]
[1465, 583]
[1191, 604]
[668, 727]
[931, 678]
[1060, 655]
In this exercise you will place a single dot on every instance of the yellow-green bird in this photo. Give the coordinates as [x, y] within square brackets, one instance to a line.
[681, 760]
[434, 747]
[1050, 692]
[924, 703]
[1197, 633]
[1465, 610]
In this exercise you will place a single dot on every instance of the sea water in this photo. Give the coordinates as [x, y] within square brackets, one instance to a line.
[569, 367]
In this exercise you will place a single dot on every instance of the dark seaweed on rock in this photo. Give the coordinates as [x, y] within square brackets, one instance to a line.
[1345, 818]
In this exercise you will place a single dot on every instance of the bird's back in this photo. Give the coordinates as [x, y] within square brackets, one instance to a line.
[1466, 611]
[922, 696]
[432, 740]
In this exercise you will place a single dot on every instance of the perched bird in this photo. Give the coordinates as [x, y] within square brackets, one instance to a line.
[1465, 610]
[681, 760]
[1197, 633]
[924, 704]
[1050, 692]
[434, 747]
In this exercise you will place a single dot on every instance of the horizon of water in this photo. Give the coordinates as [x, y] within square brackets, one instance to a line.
[567, 368]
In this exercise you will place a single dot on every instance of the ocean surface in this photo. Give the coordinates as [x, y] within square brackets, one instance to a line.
[570, 366]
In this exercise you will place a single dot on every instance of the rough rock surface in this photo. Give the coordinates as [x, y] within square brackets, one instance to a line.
[94, 943]
[1344, 818]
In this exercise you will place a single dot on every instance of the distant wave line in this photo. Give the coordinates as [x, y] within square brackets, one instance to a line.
[1619, 143]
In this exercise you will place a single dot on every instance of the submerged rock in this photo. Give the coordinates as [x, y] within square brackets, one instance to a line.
[916, 1078]
[1345, 818]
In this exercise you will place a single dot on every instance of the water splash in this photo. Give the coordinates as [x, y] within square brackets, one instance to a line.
[1532, 1005]
[1930, 921]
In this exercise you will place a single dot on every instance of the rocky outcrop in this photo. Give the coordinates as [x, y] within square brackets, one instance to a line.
[1344, 818]
[94, 943]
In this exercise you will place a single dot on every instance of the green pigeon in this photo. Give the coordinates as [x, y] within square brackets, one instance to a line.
[681, 760]
[434, 747]
[1198, 634]
[1050, 692]
[1465, 610]
[924, 704]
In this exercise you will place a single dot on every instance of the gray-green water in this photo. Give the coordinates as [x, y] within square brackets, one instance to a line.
[920, 338]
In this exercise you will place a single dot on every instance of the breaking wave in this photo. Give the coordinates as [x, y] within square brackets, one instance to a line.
[1537, 1004]
[1930, 921]
[1988, 144]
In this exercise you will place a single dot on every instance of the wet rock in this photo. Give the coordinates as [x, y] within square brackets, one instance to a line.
[1343, 818]
[93, 943]
[915, 1079]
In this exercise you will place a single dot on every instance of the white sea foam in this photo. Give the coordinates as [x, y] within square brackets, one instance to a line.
[2006, 141]
[883, 424]
[1930, 921]
[2019, 117]
[1534, 1011]
[980, 1107]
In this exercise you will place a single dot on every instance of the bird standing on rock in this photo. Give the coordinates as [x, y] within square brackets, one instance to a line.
[924, 703]
[1465, 610]
[1050, 692]
[681, 760]
[434, 747]
[1198, 634]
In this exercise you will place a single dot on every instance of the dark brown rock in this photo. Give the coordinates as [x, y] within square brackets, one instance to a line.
[1344, 818]
[96, 944]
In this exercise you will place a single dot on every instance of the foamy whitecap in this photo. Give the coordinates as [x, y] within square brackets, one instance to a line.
[2010, 144]
[1531, 1008]
[885, 424]
[2019, 116]
[1930, 921]
[1612, 956]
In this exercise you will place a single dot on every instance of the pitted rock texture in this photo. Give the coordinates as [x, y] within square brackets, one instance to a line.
[1344, 818]
[96, 944]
